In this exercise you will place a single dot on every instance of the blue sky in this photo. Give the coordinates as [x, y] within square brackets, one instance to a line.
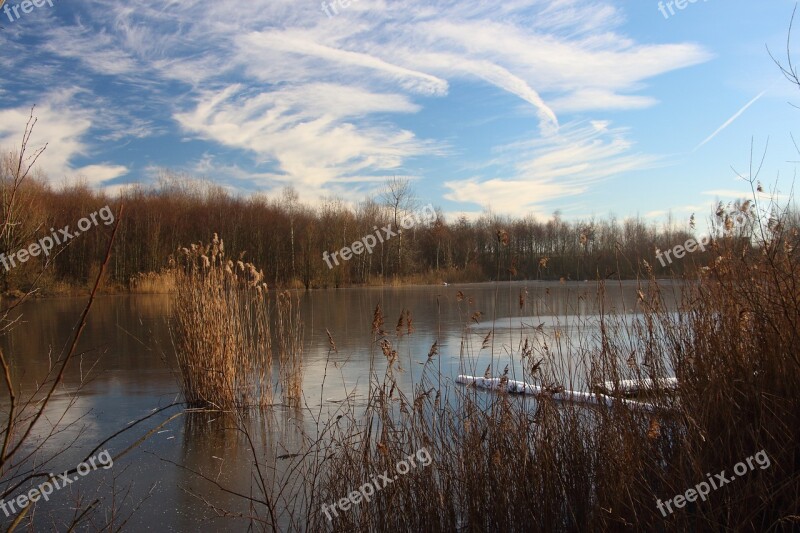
[590, 107]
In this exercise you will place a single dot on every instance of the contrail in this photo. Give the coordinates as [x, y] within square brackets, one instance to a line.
[730, 120]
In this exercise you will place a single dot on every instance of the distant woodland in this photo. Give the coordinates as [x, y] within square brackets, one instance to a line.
[287, 239]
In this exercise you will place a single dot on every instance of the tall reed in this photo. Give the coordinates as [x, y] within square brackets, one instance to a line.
[506, 463]
[290, 348]
[502, 462]
[220, 323]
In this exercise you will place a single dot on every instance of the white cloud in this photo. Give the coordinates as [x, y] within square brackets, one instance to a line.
[62, 128]
[319, 101]
[594, 99]
[58, 127]
[95, 175]
[556, 166]
[99, 51]
[306, 130]
[290, 44]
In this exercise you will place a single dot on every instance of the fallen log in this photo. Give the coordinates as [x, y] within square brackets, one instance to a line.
[520, 387]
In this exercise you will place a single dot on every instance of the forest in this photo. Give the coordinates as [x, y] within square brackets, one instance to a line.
[287, 239]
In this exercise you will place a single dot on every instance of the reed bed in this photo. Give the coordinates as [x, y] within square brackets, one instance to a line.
[508, 463]
[152, 282]
[504, 462]
[220, 324]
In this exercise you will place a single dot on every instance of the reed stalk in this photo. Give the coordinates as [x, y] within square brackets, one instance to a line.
[290, 348]
[220, 323]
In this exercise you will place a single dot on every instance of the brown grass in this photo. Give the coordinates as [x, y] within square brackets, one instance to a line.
[511, 463]
[221, 329]
[153, 283]
[504, 463]
[290, 348]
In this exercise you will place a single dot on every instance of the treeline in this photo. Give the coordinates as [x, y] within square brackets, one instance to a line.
[287, 239]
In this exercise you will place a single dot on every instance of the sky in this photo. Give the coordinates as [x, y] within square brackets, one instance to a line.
[593, 108]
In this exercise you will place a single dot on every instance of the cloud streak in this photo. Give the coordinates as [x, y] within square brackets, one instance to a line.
[729, 121]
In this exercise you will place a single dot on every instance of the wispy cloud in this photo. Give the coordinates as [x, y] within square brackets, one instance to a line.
[277, 90]
[63, 128]
[554, 167]
[307, 130]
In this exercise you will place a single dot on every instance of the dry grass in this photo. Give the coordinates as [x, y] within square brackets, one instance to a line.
[504, 463]
[153, 283]
[290, 348]
[512, 463]
[221, 329]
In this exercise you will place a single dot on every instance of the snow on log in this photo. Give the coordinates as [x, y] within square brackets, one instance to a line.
[520, 387]
[632, 387]
[516, 387]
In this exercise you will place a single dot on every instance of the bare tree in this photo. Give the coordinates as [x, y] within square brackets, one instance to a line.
[399, 197]
[15, 229]
[290, 199]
